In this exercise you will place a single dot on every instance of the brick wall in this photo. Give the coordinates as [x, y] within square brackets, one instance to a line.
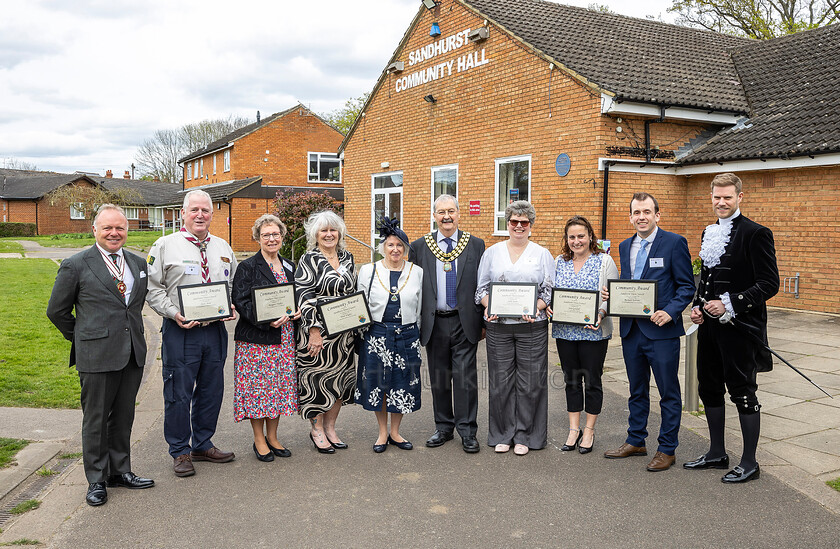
[21, 211]
[287, 139]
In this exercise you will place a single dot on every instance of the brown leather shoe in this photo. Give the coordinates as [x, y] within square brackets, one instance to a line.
[213, 455]
[183, 466]
[660, 462]
[626, 450]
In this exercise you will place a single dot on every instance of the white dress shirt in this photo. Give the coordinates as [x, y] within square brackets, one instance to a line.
[128, 278]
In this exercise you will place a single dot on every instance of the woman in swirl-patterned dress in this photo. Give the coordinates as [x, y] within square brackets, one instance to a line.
[326, 377]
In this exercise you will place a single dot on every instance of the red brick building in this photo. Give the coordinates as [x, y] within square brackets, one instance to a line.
[293, 150]
[575, 110]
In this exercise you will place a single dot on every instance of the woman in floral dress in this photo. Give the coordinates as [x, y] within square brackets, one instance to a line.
[388, 376]
[265, 380]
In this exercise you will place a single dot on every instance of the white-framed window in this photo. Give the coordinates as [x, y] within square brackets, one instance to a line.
[76, 211]
[324, 167]
[227, 160]
[195, 170]
[214, 164]
[201, 168]
[132, 213]
[189, 171]
[513, 182]
[156, 217]
[386, 189]
[444, 181]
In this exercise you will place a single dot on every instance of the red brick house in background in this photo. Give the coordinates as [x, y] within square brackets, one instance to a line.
[293, 150]
[574, 110]
[23, 199]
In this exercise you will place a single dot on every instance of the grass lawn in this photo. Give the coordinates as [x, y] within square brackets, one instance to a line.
[136, 239]
[9, 447]
[834, 484]
[7, 245]
[33, 354]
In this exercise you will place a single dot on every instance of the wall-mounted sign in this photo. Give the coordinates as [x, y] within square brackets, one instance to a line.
[445, 68]
[475, 207]
[563, 164]
[513, 195]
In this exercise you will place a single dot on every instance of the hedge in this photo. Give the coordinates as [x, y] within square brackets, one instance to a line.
[17, 229]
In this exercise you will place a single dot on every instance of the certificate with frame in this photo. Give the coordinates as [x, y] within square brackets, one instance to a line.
[572, 306]
[205, 302]
[342, 314]
[512, 299]
[273, 302]
[632, 298]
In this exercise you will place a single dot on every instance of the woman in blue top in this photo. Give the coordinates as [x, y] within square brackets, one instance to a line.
[583, 265]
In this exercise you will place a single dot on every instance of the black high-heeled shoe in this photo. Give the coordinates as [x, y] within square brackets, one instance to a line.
[566, 447]
[336, 445]
[263, 457]
[584, 449]
[329, 450]
[279, 452]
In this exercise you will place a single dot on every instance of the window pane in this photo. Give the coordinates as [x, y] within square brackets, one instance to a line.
[445, 182]
[387, 181]
[513, 185]
[329, 170]
[394, 205]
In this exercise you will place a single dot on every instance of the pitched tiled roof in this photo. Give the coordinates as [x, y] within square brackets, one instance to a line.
[153, 193]
[221, 190]
[793, 85]
[32, 185]
[637, 59]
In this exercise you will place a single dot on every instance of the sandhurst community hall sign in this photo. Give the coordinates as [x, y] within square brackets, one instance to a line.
[446, 68]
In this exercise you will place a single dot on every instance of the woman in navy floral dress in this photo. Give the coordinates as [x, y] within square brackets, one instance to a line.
[265, 379]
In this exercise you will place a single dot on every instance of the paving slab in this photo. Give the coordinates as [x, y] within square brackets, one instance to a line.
[812, 413]
[812, 461]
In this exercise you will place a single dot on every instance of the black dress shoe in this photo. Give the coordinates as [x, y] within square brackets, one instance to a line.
[279, 452]
[703, 463]
[470, 445]
[439, 439]
[336, 445]
[130, 480]
[263, 457]
[327, 450]
[404, 445]
[96, 494]
[379, 448]
[569, 448]
[738, 474]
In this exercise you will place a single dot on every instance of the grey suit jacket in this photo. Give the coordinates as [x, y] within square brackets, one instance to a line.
[104, 329]
[469, 313]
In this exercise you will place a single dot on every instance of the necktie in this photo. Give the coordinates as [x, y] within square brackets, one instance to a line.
[451, 280]
[114, 258]
[117, 274]
[641, 258]
[202, 247]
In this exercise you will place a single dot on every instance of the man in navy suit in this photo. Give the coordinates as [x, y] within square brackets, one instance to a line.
[653, 344]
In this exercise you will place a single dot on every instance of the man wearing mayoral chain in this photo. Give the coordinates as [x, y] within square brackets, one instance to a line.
[451, 323]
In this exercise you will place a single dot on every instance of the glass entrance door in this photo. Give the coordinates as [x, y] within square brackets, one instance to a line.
[387, 201]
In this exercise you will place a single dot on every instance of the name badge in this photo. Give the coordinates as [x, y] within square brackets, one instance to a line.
[288, 265]
[191, 269]
[656, 262]
[342, 270]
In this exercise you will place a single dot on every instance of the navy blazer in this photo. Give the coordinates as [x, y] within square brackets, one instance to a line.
[253, 273]
[676, 283]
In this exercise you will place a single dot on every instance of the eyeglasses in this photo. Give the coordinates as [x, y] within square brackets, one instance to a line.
[271, 236]
[444, 213]
[515, 222]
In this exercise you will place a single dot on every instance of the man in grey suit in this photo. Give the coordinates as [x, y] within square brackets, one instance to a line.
[451, 323]
[107, 287]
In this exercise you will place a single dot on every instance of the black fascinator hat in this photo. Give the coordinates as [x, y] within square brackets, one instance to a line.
[391, 227]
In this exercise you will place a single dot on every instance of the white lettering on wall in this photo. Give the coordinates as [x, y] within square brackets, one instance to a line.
[440, 70]
[444, 45]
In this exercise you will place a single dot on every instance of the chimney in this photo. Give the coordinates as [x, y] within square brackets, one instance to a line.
[258, 117]
[156, 179]
[127, 175]
[109, 174]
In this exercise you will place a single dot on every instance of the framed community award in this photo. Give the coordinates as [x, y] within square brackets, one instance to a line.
[512, 299]
[344, 313]
[632, 298]
[273, 302]
[204, 302]
[575, 306]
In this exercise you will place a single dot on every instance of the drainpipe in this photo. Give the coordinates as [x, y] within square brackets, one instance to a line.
[647, 130]
[230, 222]
[606, 199]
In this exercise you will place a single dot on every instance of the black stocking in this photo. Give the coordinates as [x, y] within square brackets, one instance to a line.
[715, 418]
[750, 426]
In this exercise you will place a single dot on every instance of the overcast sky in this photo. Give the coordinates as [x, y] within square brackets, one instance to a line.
[84, 82]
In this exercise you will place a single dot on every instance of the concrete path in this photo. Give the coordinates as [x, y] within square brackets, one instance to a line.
[443, 497]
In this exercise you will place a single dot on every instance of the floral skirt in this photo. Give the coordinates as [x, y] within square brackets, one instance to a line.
[389, 368]
[265, 381]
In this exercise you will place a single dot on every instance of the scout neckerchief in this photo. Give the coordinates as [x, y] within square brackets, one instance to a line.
[202, 247]
[116, 267]
[449, 257]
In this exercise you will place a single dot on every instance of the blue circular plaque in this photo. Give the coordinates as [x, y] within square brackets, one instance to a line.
[563, 164]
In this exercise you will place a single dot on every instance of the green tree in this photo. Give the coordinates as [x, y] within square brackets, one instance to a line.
[87, 198]
[342, 119]
[760, 19]
[293, 208]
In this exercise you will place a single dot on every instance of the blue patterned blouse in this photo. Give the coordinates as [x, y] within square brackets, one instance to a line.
[585, 279]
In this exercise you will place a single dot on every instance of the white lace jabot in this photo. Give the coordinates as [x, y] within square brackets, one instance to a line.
[715, 239]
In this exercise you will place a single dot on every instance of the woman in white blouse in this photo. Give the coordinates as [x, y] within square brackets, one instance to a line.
[517, 354]
[388, 375]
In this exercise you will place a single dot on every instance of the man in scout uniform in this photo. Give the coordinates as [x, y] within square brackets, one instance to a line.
[106, 285]
[193, 353]
[451, 323]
